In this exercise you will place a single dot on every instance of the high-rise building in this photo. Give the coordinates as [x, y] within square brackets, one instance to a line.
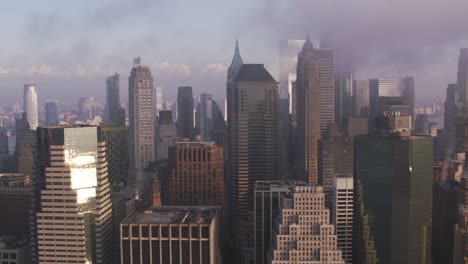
[116, 139]
[361, 97]
[308, 113]
[303, 232]
[462, 77]
[342, 213]
[393, 199]
[74, 214]
[253, 140]
[196, 174]
[284, 133]
[326, 65]
[288, 50]
[24, 148]
[141, 115]
[158, 100]
[267, 204]
[185, 112]
[15, 204]
[166, 135]
[86, 108]
[30, 105]
[450, 107]
[52, 113]
[172, 235]
[112, 98]
[204, 116]
[409, 93]
[379, 88]
[336, 156]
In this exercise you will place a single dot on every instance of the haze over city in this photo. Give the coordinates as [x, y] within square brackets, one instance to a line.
[68, 47]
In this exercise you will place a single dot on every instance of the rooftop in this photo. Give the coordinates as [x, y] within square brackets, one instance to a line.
[12, 242]
[253, 73]
[14, 180]
[194, 144]
[173, 215]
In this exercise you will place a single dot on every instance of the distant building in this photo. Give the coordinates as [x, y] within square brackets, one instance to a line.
[16, 195]
[158, 100]
[72, 164]
[30, 105]
[342, 213]
[112, 98]
[421, 125]
[116, 139]
[185, 112]
[393, 198]
[379, 88]
[86, 108]
[173, 235]
[166, 135]
[462, 77]
[196, 174]
[142, 116]
[14, 250]
[303, 232]
[24, 148]
[52, 113]
[450, 107]
[361, 97]
[408, 91]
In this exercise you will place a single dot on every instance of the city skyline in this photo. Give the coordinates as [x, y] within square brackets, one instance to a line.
[76, 56]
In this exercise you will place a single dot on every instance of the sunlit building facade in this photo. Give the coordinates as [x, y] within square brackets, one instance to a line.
[74, 218]
[30, 105]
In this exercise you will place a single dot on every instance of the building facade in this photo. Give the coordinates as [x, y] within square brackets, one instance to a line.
[342, 214]
[141, 115]
[86, 108]
[30, 105]
[166, 135]
[171, 235]
[112, 98]
[185, 112]
[196, 174]
[74, 213]
[116, 139]
[52, 113]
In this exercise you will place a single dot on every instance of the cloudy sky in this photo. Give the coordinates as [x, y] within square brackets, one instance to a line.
[68, 47]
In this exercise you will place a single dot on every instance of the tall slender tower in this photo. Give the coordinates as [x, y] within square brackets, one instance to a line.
[112, 98]
[74, 217]
[141, 133]
[462, 77]
[204, 116]
[408, 92]
[30, 105]
[52, 113]
[185, 111]
[308, 113]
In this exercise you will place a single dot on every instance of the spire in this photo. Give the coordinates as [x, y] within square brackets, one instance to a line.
[308, 44]
[237, 46]
[237, 59]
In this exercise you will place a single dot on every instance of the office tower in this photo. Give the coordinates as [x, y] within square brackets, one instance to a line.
[172, 235]
[14, 250]
[308, 113]
[288, 50]
[219, 129]
[393, 198]
[450, 107]
[336, 156]
[166, 135]
[327, 87]
[303, 233]
[30, 105]
[284, 134]
[72, 164]
[86, 109]
[185, 112]
[394, 104]
[342, 213]
[141, 115]
[204, 116]
[344, 92]
[123, 204]
[421, 125]
[158, 100]
[24, 148]
[112, 98]
[52, 113]
[266, 207]
[409, 93]
[120, 117]
[462, 77]
[15, 204]
[361, 97]
[253, 140]
[379, 88]
[116, 140]
[196, 174]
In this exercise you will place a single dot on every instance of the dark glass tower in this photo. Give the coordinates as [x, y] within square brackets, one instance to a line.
[185, 112]
[112, 98]
[393, 201]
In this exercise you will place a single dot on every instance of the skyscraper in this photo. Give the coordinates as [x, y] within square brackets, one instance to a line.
[86, 109]
[393, 199]
[185, 112]
[450, 107]
[342, 213]
[253, 140]
[30, 105]
[116, 139]
[141, 114]
[112, 98]
[52, 113]
[308, 113]
[303, 232]
[409, 93]
[327, 87]
[462, 77]
[74, 217]
[204, 116]
[166, 135]
[361, 97]
[379, 88]
[196, 174]
[288, 50]
[158, 100]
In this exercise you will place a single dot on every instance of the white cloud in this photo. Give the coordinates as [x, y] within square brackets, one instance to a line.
[215, 68]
